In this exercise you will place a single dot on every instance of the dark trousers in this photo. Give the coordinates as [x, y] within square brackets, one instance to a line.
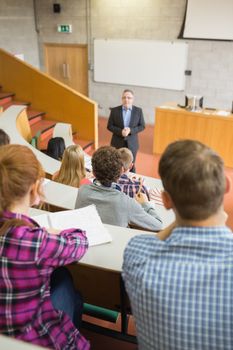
[64, 297]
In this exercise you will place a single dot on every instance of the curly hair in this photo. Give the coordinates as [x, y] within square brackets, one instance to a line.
[107, 165]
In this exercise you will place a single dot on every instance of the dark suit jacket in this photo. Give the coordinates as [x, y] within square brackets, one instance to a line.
[116, 124]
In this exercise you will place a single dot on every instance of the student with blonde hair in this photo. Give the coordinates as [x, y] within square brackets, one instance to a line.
[72, 171]
[28, 256]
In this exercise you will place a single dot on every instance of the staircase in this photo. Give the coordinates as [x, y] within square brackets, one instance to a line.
[41, 128]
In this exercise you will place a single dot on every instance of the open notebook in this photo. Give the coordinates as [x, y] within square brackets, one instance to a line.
[86, 219]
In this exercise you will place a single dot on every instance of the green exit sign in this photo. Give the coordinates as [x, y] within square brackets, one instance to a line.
[64, 28]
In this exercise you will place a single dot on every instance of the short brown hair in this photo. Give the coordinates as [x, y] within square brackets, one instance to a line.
[126, 157]
[128, 90]
[4, 138]
[106, 165]
[193, 175]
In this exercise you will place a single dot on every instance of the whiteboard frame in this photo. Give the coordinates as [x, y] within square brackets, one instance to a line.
[120, 62]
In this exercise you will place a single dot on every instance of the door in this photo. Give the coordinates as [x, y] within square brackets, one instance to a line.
[68, 63]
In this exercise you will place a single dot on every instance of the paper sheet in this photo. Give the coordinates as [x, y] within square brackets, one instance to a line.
[86, 219]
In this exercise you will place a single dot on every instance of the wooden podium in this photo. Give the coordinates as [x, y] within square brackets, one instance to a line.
[212, 128]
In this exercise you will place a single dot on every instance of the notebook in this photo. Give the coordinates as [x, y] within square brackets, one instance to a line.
[86, 219]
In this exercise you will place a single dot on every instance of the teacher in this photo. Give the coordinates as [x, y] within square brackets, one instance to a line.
[125, 122]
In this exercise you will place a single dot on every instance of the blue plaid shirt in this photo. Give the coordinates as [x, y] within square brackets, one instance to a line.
[181, 289]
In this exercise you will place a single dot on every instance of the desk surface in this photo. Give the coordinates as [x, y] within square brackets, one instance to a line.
[9, 343]
[108, 256]
[60, 195]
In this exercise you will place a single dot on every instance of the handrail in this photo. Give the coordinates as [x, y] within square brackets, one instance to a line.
[60, 102]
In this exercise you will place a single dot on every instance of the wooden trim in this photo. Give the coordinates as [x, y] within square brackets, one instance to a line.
[23, 126]
[213, 130]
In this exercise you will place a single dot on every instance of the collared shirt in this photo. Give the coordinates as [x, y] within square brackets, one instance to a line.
[131, 187]
[126, 116]
[181, 289]
[113, 185]
[28, 256]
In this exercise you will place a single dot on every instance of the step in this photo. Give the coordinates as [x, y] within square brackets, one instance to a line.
[87, 145]
[5, 97]
[34, 116]
[44, 126]
[13, 102]
[43, 142]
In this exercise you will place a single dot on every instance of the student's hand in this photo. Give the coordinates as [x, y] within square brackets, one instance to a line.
[141, 198]
[89, 175]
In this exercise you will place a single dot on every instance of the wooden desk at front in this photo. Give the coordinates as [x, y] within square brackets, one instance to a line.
[211, 129]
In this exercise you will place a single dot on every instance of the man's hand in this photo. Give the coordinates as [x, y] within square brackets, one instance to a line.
[125, 132]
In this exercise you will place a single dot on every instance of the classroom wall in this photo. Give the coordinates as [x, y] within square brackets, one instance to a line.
[210, 61]
[17, 29]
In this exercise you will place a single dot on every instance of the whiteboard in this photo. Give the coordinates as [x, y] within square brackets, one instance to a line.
[148, 63]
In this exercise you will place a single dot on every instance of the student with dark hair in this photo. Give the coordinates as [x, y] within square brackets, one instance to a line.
[4, 138]
[180, 281]
[114, 206]
[56, 147]
[33, 308]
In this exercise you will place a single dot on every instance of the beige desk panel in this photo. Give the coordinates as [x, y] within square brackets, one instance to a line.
[214, 131]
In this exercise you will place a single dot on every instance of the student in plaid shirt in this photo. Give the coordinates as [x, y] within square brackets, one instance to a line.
[129, 184]
[180, 281]
[28, 256]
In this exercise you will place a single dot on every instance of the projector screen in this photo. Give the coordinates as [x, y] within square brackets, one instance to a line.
[209, 19]
[149, 63]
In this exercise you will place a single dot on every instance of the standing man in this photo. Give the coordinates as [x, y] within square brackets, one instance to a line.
[125, 122]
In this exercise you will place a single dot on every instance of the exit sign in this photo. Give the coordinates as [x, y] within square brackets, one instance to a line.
[64, 28]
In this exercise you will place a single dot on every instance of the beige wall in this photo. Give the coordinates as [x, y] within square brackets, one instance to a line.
[210, 61]
[17, 29]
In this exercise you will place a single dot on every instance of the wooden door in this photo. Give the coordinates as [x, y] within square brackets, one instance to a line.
[68, 64]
